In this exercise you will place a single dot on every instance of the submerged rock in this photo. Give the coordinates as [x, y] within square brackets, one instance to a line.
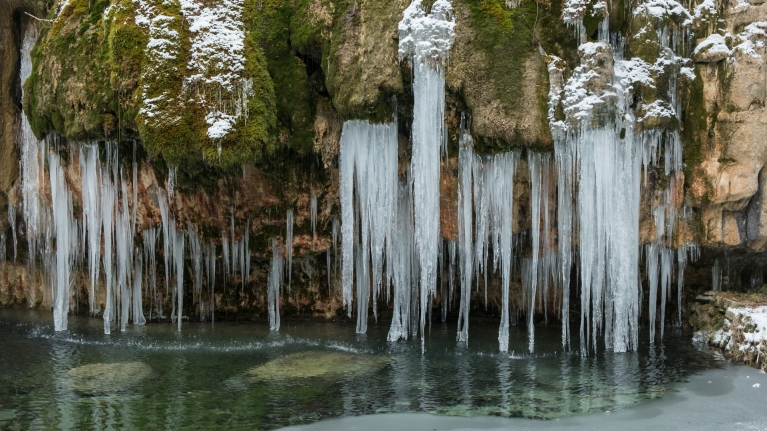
[318, 364]
[102, 378]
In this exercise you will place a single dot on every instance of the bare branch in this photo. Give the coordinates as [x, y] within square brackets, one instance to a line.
[39, 19]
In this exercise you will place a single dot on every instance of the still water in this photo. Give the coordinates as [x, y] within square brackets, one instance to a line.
[208, 376]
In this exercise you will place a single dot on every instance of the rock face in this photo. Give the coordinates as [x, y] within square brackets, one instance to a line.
[138, 73]
[727, 175]
[738, 327]
[12, 23]
[101, 379]
[318, 364]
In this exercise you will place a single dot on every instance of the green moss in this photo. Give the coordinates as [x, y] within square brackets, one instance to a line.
[697, 130]
[69, 90]
[508, 38]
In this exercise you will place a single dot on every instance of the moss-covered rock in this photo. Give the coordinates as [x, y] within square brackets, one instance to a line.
[326, 364]
[497, 68]
[106, 378]
[70, 90]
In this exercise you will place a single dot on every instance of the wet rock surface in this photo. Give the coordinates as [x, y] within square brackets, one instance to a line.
[106, 378]
[326, 364]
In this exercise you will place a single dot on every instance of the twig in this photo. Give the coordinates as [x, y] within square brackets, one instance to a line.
[39, 19]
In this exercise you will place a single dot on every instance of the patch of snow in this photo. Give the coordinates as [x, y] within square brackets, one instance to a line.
[574, 11]
[751, 330]
[659, 109]
[742, 5]
[687, 72]
[714, 44]
[753, 40]
[427, 38]
[707, 6]
[161, 51]
[634, 71]
[217, 62]
[664, 9]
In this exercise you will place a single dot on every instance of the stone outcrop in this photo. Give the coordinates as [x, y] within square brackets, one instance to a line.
[321, 62]
[737, 324]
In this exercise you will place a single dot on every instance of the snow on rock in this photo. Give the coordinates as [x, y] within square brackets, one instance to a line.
[574, 11]
[217, 62]
[214, 72]
[712, 49]
[658, 111]
[687, 72]
[427, 38]
[743, 335]
[706, 7]
[162, 50]
[664, 10]
[590, 84]
[751, 41]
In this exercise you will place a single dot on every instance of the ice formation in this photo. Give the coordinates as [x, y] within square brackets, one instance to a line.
[492, 182]
[274, 285]
[313, 211]
[289, 245]
[425, 42]
[368, 164]
[391, 245]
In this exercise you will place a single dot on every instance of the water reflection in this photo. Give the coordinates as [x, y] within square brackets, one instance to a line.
[199, 376]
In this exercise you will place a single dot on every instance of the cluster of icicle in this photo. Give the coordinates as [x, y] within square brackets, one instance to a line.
[602, 207]
[62, 242]
[392, 221]
[597, 172]
[391, 246]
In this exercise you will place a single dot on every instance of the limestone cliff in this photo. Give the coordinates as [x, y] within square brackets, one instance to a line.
[241, 103]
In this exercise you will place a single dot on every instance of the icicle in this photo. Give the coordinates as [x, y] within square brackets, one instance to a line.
[716, 276]
[225, 246]
[138, 307]
[246, 255]
[62, 214]
[134, 185]
[108, 198]
[425, 41]
[123, 249]
[90, 172]
[235, 248]
[212, 280]
[681, 254]
[652, 254]
[368, 164]
[502, 167]
[313, 205]
[565, 171]
[178, 254]
[327, 258]
[466, 161]
[274, 285]
[12, 222]
[405, 263]
[168, 226]
[535, 165]
[289, 246]
[195, 248]
[335, 245]
[150, 244]
[667, 268]
[171, 186]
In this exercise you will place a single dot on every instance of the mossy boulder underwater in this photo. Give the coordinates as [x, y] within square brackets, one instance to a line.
[318, 364]
[106, 378]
